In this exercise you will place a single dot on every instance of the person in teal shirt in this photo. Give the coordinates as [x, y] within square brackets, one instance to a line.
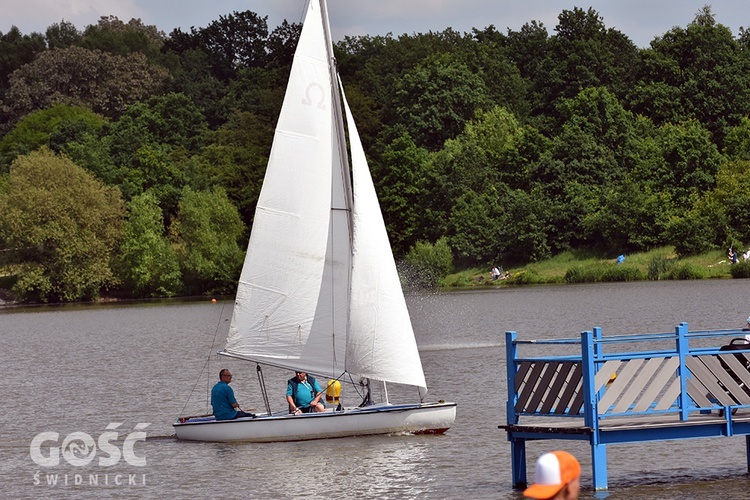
[303, 394]
[223, 402]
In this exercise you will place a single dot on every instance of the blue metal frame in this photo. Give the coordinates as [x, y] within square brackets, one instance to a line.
[591, 359]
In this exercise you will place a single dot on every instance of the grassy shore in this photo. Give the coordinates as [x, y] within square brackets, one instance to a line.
[578, 267]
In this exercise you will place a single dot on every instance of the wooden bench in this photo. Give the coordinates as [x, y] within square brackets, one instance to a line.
[610, 391]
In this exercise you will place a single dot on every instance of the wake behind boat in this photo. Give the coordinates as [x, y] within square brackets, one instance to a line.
[319, 290]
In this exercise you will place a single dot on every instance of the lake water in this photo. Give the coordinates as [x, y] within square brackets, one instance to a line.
[77, 370]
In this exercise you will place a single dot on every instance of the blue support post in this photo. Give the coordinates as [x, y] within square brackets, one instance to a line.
[747, 451]
[682, 350]
[589, 388]
[518, 464]
[598, 450]
[517, 446]
[599, 466]
[511, 353]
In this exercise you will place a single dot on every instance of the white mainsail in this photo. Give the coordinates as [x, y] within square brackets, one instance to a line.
[319, 290]
[284, 310]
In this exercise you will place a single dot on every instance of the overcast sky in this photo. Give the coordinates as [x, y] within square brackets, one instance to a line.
[640, 20]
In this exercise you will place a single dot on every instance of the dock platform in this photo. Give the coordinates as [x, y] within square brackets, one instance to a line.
[609, 390]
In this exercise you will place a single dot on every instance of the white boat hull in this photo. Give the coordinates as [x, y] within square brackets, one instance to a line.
[433, 418]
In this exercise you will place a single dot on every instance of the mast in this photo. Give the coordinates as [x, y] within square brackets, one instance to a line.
[342, 198]
[338, 113]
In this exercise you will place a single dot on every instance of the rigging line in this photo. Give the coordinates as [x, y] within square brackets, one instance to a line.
[342, 178]
[301, 16]
[206, 366]
[354, 385]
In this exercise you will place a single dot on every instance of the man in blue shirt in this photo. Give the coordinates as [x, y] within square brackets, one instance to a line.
[222, 399]
[303, 394]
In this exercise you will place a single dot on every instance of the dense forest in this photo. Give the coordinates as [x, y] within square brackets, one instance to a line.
[131, 160]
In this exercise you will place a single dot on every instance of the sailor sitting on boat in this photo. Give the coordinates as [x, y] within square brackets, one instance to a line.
[223, 402]
[303, 394]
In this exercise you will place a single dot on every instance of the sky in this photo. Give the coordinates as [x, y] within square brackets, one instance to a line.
[640, 20]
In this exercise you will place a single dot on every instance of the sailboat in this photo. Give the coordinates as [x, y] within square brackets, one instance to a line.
[319, 291]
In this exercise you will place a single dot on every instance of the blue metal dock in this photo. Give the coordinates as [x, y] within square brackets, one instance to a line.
[611, 391]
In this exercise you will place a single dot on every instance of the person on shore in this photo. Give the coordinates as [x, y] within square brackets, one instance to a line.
[495, 272]
[303, 394]
[732, 255]
[557, 476]
[223, 402]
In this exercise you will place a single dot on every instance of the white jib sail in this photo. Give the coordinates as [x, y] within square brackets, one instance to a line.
[284, 310]
[381, 343]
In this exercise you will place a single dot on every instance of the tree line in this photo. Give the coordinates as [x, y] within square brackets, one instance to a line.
[131, 160]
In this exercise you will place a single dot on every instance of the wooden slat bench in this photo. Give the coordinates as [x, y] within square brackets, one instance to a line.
[611, 391]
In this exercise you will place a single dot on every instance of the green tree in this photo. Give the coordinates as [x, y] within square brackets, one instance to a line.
[489, 58]
[235, 158]
[170, 120]
[696, 230]
[104, 83]
[281, 44]
[89, 148]
[426, 263]
[596, 148]
[691, 160]
[160, 169]
[500, 225]
[491, 149]
[234, 41]
[737, 142]
[59, 228]
[700, 72]
[524, 231]
[597, 141]
[112, 35]
[628, 218]
[528, 47]
[401, 192]
[582, 54]
[41, 128]
[17, 50]
[191, 75]
[732, 195]
[150, 144]
[207, 231]
[436, 99]
[476, 220]
[147, 263]
[62, 35]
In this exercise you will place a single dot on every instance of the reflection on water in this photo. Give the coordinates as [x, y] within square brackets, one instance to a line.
[81, 368]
